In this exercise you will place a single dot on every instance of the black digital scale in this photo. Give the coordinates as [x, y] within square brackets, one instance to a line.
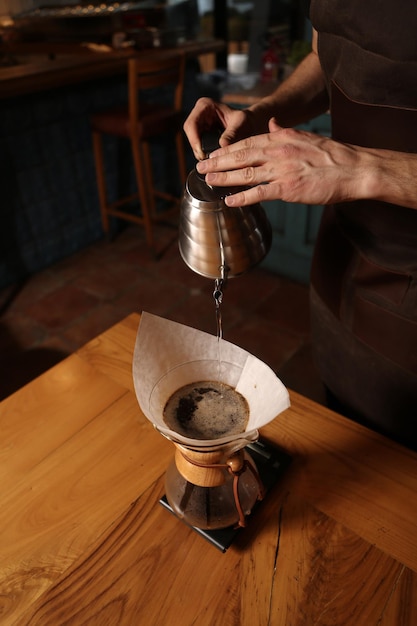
[271, 463]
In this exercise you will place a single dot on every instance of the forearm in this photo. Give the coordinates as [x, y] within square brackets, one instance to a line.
[298, 99]
[389, 176]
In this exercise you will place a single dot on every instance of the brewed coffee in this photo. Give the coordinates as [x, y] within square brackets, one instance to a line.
[206, 410]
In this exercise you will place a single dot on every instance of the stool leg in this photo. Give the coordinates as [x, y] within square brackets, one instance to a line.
[101, 182]
[143, 190]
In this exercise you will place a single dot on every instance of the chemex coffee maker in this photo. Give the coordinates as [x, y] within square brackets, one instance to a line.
[220, 469]
[184, 377]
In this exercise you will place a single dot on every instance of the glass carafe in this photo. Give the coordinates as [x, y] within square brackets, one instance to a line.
[214, 487]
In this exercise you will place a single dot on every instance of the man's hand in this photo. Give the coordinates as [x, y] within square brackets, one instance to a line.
[208, 115]
[291, 165]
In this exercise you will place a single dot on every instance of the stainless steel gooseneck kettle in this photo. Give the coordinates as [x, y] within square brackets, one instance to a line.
[215, 240]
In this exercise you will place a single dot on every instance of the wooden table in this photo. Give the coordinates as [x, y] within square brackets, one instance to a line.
[84, 539]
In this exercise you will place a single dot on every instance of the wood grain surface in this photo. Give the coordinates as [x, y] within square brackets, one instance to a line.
[85, 540]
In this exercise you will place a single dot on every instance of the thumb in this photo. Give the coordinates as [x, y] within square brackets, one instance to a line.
[273, 125]
[227, 137]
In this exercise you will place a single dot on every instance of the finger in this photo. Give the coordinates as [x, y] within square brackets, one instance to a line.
[233, 178]
[242, 177]
[197, 150]
[229, 158]
[250, 196]
[193, 136]
[249, 151]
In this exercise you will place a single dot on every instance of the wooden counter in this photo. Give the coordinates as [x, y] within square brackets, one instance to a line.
[85, 541]
[77, 63]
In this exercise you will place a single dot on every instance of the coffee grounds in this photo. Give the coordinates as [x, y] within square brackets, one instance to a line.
[206, 410]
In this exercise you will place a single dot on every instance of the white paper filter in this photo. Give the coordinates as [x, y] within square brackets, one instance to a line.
[169, 355]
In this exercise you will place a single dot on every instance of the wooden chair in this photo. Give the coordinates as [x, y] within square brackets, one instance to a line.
[140, 121]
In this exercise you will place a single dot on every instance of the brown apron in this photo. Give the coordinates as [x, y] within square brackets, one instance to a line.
[364, 271]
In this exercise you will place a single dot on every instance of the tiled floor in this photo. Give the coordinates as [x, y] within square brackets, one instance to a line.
[59, 309]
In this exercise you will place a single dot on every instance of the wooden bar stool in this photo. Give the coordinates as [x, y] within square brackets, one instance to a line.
[140, 121]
